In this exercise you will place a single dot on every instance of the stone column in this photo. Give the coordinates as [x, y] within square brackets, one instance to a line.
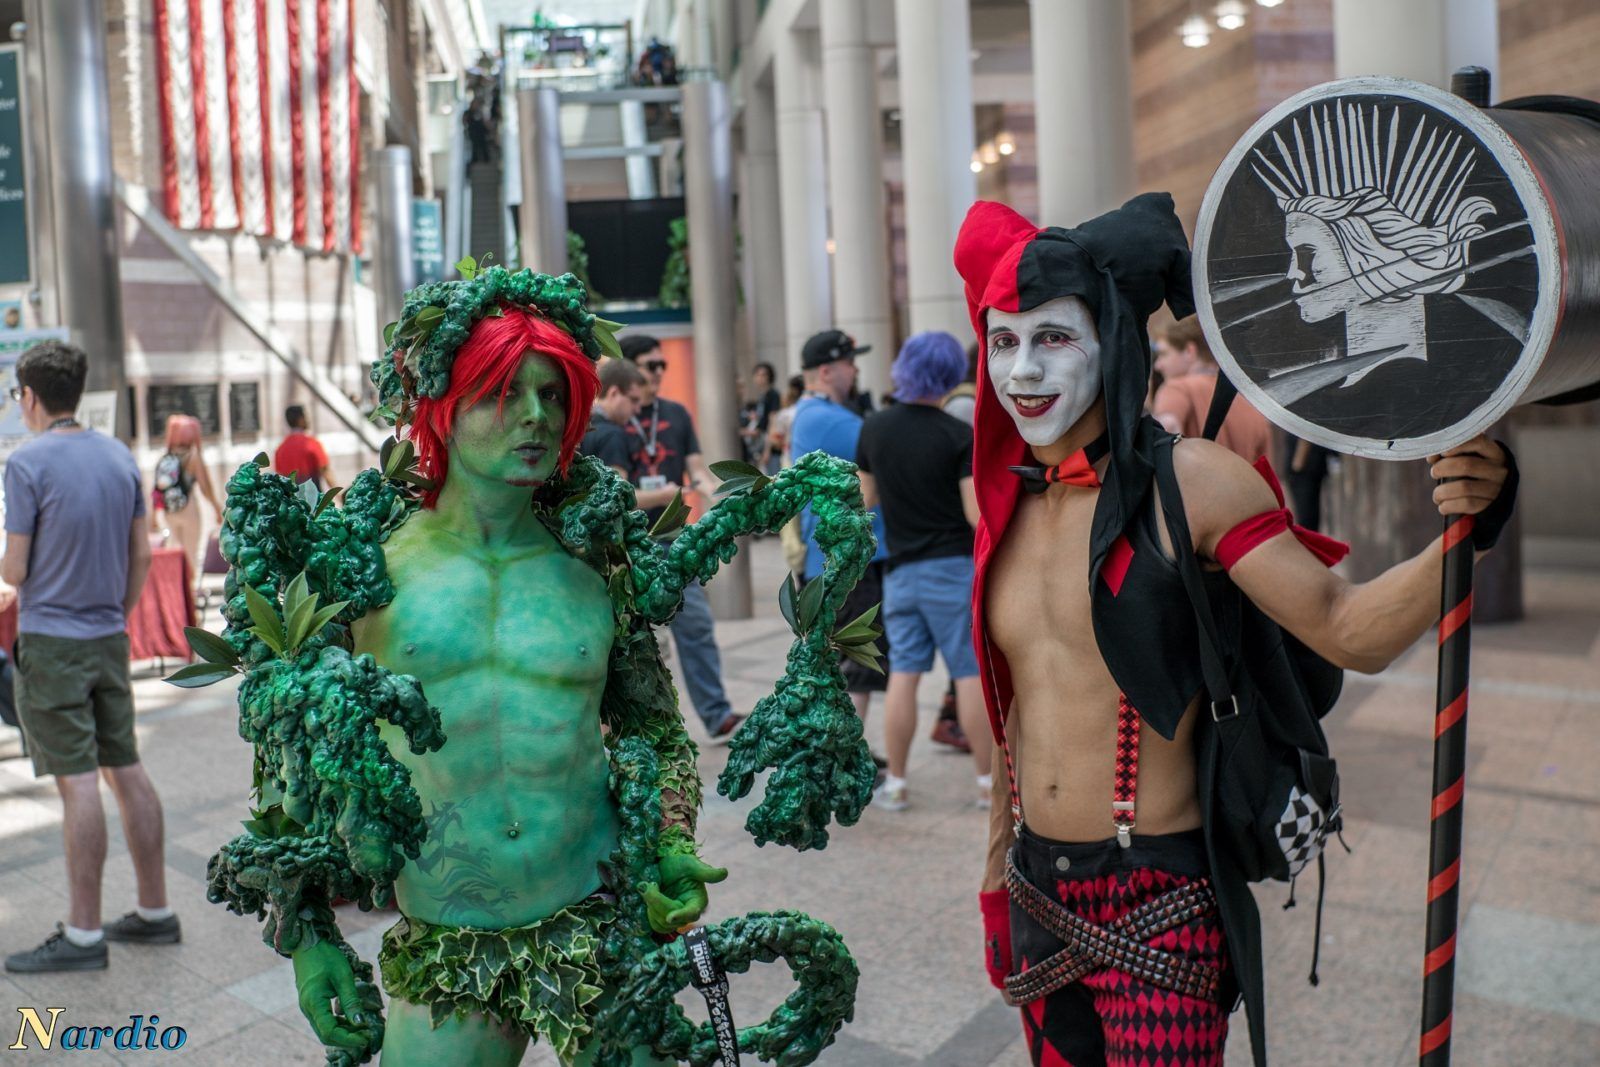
[1083, 108]
[763, 231]
[71, 37]
[395, 269]
[934, 42]
[543, 226]
[861, 294]
[802, 187]
[708, 190]
[1425, 40]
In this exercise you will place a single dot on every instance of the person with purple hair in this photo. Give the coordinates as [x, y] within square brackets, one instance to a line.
[916, 461]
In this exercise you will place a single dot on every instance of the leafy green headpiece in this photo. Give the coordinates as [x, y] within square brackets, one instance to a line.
[437, 318]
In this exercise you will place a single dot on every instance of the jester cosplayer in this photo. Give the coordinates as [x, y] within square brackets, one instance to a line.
[457, 704]
[1116, 906]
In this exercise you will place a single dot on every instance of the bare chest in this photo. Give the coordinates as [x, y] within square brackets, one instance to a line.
[531, 615]
[1037, 603]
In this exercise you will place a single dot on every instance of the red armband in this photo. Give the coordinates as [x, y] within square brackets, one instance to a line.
[996, 908]
[1257, 529]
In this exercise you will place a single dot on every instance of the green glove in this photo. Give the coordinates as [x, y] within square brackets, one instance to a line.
[322, 973]
[680, 898]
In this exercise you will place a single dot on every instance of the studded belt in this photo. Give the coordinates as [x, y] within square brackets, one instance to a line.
[1120, 945]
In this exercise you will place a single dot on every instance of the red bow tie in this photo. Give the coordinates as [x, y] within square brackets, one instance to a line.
[1076, 469]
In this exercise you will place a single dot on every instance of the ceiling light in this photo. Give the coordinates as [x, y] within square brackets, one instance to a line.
[977, 166]
[1195, 31]
[1269, 3]
[989, 154]
[1230, 14]
[1006, 146]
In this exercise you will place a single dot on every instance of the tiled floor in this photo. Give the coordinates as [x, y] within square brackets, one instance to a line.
[900, 887]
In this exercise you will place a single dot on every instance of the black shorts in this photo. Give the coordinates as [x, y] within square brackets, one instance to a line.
[1109, 1017]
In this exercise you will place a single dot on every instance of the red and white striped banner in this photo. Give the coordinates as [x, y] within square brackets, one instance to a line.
[260, 119]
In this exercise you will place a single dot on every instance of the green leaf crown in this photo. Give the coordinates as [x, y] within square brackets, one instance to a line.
[437, 318]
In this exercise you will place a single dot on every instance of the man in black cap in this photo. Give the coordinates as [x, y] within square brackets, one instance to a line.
[826, 420]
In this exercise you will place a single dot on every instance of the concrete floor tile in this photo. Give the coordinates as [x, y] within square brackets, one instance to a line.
[1532, 962]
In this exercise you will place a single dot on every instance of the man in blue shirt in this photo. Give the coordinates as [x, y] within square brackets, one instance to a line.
[77, 553]
[825, 421]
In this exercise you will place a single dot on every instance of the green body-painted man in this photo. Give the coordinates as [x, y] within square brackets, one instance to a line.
[510, 637]
[532, 815]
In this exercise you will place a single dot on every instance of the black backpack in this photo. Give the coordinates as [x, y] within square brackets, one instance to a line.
[1277, 787]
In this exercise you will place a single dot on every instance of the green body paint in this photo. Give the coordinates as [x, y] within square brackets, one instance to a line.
[522, 606]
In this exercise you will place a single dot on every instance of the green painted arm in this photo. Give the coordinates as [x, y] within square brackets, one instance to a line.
[806, 732]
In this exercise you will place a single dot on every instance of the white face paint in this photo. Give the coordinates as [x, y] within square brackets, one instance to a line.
[1044, 364]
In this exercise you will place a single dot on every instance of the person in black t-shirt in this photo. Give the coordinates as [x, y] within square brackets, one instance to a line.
[621, 387]
[916, 461]
[665, 452]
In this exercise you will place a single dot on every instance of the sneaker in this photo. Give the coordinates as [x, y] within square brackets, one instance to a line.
[724, 733]
[142, 931]
[890, 796]
[949, 732]
[59, 954]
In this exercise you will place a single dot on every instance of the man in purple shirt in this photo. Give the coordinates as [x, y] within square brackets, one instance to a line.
[77, 554]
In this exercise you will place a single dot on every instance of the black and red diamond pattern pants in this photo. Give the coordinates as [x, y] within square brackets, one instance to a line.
[1108, 1018]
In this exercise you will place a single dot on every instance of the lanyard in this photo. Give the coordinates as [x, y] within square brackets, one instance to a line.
[655, 428]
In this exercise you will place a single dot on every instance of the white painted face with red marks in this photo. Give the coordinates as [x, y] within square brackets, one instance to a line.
[1044, 364]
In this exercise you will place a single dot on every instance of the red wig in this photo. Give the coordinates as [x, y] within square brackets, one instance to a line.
[487, 360]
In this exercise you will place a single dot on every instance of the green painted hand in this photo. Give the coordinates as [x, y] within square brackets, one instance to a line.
[322, 973]
[680, 897]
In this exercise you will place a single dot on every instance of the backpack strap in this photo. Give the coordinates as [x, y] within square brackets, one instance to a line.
[1221, 400]
[1219, 690]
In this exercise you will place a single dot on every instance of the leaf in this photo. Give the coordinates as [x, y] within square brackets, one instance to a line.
[426, 320]
[381, 414]
[609, 343]
[262, 460]
[608, 325]
[413, 478]
[323, 617]
[209, 647]
[672, 519]
[307, 493]
[385, 451]
[810, 604]
[786, 595]
[467, 267]
[860, 627]
[327, 498]
[298, 607]
[196, 675]
[388, 334]
[735, 468]
[268, 626]
[494, 311]
[869, 660]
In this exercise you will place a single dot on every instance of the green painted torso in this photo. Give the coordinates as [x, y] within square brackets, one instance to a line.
[511, 644]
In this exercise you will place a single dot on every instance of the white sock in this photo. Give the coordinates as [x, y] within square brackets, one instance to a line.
[986, 782]
[153, 915]
[85, 938]
[890, 782]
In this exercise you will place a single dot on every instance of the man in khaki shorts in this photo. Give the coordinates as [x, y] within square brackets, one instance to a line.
[77, 554]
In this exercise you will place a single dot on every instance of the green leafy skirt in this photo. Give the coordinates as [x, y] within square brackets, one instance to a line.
[543, 978]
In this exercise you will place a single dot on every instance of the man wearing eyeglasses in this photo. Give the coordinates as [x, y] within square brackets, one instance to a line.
[666, 457]
[77, 552]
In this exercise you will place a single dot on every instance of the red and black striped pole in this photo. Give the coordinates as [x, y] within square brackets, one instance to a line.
[1449, 778]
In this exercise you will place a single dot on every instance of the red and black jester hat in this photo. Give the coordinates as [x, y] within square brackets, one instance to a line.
[1124, 264]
